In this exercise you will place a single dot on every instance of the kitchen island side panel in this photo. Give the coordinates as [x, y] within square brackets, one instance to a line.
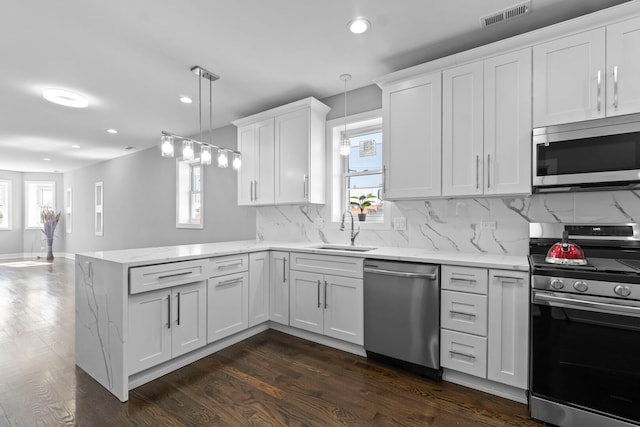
[101, 316]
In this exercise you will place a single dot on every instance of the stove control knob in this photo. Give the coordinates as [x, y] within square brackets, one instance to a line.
[622, 290]
[580, 286]
[557, 283]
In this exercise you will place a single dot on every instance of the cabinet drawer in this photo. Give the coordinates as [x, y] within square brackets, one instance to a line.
[222, 265]
[463, 352]
[465, 279]
[327, 264]
[151, 277]
[464, 312]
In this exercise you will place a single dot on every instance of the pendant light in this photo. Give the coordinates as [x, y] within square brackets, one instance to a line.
[345, 144]
[167, 139]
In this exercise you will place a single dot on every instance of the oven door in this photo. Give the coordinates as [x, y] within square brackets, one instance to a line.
[585, 353]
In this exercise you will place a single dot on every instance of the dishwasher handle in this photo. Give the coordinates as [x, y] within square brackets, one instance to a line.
[429, 276]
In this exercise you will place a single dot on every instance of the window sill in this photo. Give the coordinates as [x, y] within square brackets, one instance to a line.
[194, 226]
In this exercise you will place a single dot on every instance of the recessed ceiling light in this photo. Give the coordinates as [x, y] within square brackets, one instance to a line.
[75, 146]
[113, 131]
[46, 159]
[359, 25]
[65, 97]
[186, 100]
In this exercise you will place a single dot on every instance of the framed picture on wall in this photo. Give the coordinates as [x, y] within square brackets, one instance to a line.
[99, 209]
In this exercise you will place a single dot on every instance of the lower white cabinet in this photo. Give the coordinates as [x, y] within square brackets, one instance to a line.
[166, 323]
[464, 352]
[258, 288]
[227, 304]
[279, 287]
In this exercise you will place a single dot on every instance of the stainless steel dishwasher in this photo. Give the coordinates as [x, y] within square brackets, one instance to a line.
[402, 314]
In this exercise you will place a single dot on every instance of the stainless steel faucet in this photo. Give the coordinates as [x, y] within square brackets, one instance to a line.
[353, 234]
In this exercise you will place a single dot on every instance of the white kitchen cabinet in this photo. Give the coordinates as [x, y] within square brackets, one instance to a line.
[227, 305]
[166, 323]
[413, 138]
[258, 288]
[279, 287]
[508, 330]
[306, 310]
[486, 133]
[256, 177]
[623, 67]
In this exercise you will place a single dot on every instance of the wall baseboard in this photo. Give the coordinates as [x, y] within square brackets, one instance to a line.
[29, 255]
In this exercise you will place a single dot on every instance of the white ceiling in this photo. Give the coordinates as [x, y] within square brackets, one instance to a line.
[131, 58]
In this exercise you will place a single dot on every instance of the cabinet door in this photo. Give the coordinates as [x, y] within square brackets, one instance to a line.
[507, 123]
[279, 287]
[306, 304]
[292, 157]
[623, 67]
[227, 304]
[462, 130]
[265, 173]
[247, 145]
[189, 318]
[343, 308]
[258, 288]
[508, 331]
[413, 138]
[149, 340]
[569, 79]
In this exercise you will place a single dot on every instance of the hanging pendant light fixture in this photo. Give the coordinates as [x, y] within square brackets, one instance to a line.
[345, 144]
[167, 139]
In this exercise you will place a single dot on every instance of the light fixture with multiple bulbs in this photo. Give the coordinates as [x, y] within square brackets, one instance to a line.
[167, 139]
[345, 143]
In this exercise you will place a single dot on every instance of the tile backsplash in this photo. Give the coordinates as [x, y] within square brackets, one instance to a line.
[454, 225]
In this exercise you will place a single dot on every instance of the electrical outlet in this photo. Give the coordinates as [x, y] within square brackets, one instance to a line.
[488, 225]
[400, 223]
[318, 223]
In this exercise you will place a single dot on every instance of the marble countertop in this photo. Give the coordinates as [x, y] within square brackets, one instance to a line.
[159, 255]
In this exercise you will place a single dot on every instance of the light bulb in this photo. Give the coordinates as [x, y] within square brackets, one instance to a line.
[167, 145]
[223, 159]
[237, 162]
[345, 147]
[205, 155]
[187, 150]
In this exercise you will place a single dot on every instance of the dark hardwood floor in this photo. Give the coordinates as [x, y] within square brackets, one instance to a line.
[270, 379]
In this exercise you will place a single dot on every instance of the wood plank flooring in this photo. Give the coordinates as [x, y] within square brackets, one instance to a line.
[270, 379]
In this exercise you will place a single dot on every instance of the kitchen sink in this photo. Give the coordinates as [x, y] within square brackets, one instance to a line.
[346, 248]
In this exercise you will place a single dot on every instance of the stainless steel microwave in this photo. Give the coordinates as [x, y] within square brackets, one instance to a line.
[591, 155]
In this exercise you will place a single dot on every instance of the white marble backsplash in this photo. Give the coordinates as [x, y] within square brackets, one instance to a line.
[453, 225]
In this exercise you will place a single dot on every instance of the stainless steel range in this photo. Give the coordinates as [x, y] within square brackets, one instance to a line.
[585, 326]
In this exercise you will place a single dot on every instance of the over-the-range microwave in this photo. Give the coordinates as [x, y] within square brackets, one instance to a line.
[590, 155]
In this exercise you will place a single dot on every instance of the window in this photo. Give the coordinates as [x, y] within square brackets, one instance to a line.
[358, 175]
[189, 194]
[5, 208]
[39, 195]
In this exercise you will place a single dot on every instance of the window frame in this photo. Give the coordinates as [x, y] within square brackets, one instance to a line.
[27, 184]
[180, 192]
[7, 206]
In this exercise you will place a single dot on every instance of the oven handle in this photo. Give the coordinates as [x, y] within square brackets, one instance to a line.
[628, 309]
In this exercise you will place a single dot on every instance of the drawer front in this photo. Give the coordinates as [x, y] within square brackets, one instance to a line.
[464, 312]
[220, 266]
[465, 279]
[327, 264]
[463, 352]
[151, 277]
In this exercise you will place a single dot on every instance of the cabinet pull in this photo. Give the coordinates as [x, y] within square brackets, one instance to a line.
[517, 279]
[488, 170]
[477, 172]
[251, 191]
[462, 313]
[305, 185]
[255, 189]
[459, 353]
[226, 266]
[325, 294]
[284, 270]
[319, 293]
[169, 311]
[228, 282]
[462, 279]
[166, 276]
[599, 91]
[615, 87]
[384, 180]
[178, 319]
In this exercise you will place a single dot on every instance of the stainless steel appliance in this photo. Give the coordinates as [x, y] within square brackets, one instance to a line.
[402, 314]
[594, 154]
[585, 327]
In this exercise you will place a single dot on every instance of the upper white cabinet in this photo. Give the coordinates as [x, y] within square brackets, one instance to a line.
[284, 154]
[588, 75]
[486, 134]
[412, 133]
[256, 176]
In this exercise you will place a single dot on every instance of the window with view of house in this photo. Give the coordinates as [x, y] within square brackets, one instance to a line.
[5, 198]
[189, 194]
[39, 195]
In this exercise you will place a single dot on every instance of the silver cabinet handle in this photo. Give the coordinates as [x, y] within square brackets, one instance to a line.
[325, 294]
[462, 313]
[429, 276]
[228, 282]
[231, 265]
[477, 172]
[255, 189]
[169, 311]
[488, 170]
[318, 293]
[284, 270]
[462, 279]
[615, 87]
[517, 279]
[305, 186]
[166, 276]
[384, 180]
[459, 353]
[251, 191]
[599, 91]
[178, 319]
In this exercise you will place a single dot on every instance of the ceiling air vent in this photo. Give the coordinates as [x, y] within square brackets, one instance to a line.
[506, 14]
